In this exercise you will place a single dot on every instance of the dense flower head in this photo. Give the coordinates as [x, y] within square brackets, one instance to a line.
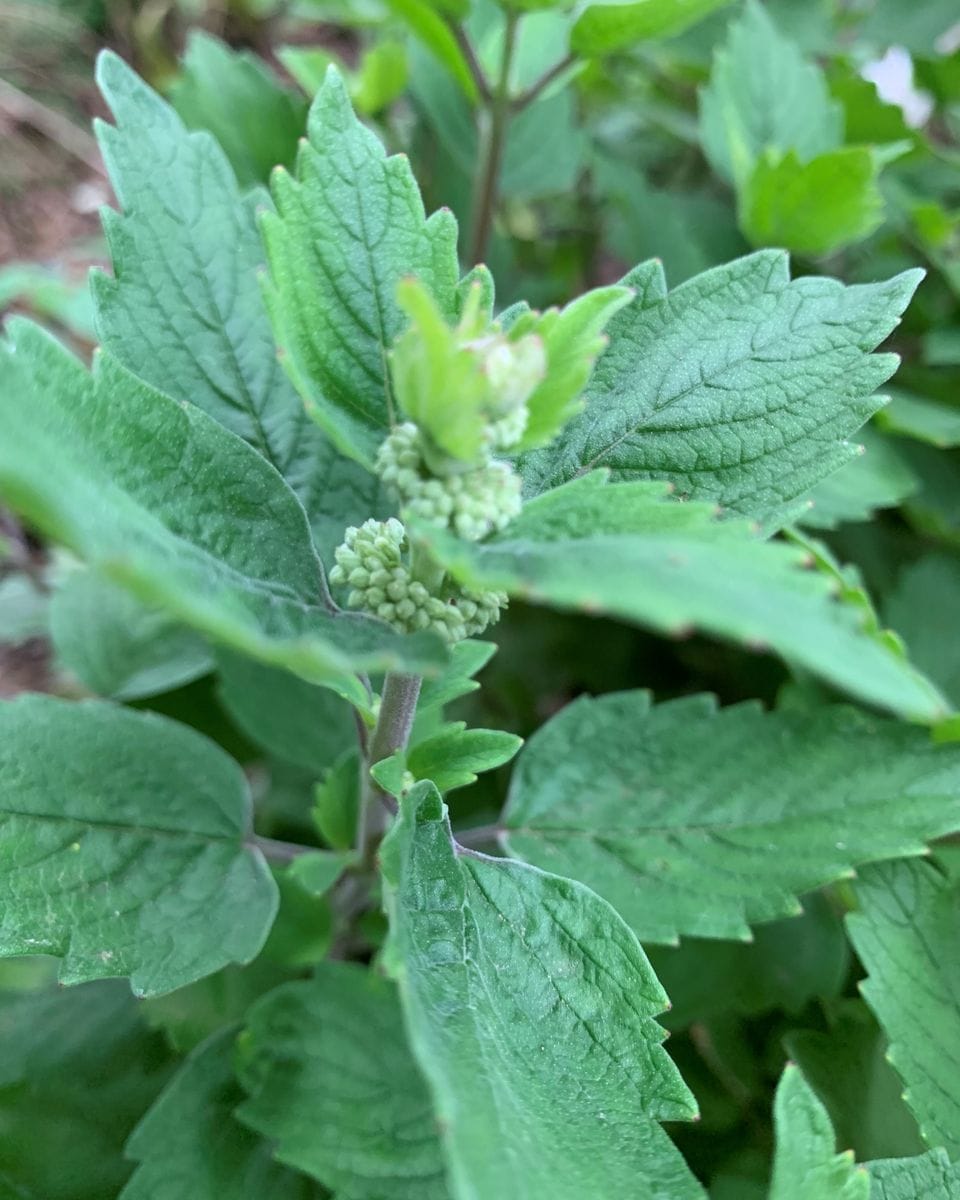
[472, 503]
[371, 563]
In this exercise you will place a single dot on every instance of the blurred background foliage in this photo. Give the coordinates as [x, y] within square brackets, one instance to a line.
[689, 130]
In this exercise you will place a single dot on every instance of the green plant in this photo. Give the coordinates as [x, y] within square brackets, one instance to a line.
[312, 465]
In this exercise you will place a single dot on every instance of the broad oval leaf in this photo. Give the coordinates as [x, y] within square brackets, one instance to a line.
[124, 843]
[530, 1008]
[696, 820]
[333, 1084]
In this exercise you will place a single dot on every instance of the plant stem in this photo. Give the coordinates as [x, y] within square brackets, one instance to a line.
[494, 119]
[398, 706]
[470, 58]
[280, 852]
[526, 98]
[481, 835]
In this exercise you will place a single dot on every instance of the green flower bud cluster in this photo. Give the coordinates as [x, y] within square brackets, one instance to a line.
[371, 563]
[473, 503]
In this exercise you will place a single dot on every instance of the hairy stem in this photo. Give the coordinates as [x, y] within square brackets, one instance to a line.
[398, 706]
[494, 120]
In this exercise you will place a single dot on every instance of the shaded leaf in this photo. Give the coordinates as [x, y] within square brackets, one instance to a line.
[332, 1083]
[119, 647]
[786, 964]
[905, 934]
[923, 608]
[189, 1143]
[241, 102]
[848, 1068]
[291, 719]
[879, 478]
[805, 1163]
[78, 1069]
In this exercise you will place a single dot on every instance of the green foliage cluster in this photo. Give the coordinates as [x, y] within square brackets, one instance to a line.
[480, 321]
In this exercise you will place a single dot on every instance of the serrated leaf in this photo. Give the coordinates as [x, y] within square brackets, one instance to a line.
[188, 517]
[332, 1083]
[530, 1007]
[455, 757]
[763, 94]
[332, 299]
[905, 934]
[602, 28]
[125, 845]
[118, 647]
[78, 1069]
[814, 207]
[848, 1068]
[236, 97]
[625, 550]
[805, 1162]
[291, 719]
[929, 1177]
[880, 477]
[739, 387]
[184, 310]
[656, 807]
[189, 1143]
